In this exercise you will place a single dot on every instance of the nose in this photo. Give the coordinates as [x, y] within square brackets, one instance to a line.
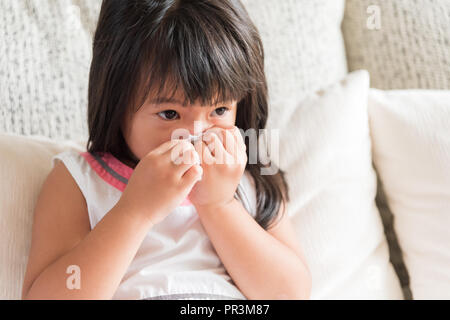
[197, 127]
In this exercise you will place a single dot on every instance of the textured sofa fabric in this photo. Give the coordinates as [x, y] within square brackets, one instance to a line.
[45, 52]
[45, 56]
[409, 48]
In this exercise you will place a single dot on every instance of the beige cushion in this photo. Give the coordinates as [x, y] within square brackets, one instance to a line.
[25, 163]
[409, 50]
[44, 66]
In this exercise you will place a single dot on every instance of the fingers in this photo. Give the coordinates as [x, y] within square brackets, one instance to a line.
[183, 157]
[220, 132]
[192, 176]
[231, 138]
[179, 154]
[217, 145]
[239, 138]
[166, 146]
[217, 149]
[230, 142]
[183, 152]
[203, 150]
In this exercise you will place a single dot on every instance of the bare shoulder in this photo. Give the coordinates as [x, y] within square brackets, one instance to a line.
[60, 222]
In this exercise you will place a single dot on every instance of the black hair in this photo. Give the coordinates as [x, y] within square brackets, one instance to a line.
[208, 49]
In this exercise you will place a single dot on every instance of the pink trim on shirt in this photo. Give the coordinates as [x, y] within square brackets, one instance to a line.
[118, 167]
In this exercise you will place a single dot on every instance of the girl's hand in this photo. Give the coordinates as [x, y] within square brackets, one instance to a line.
[223, 157]
[159, 184]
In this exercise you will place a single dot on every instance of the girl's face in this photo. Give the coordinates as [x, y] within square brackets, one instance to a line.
[154, 123]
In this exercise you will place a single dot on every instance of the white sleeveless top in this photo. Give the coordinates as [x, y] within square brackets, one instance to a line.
[176, 259]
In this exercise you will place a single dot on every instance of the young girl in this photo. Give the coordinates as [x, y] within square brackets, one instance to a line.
[124, 220]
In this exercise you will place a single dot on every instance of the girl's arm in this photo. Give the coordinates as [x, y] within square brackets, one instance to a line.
[265, 265]
[62, 238]
[61, 231]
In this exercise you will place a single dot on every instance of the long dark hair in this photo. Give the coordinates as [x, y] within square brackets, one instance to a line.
[208, 48]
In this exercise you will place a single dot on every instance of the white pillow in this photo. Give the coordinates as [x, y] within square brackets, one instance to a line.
[325, 150]
[24, 165]
[411, 147]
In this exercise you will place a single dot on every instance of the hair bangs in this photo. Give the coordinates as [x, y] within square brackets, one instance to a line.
[194, 63]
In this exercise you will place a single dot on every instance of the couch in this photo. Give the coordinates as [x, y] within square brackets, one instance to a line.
[359, 90]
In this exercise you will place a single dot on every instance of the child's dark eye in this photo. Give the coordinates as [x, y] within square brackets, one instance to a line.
[168, 114]
[221, 111]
